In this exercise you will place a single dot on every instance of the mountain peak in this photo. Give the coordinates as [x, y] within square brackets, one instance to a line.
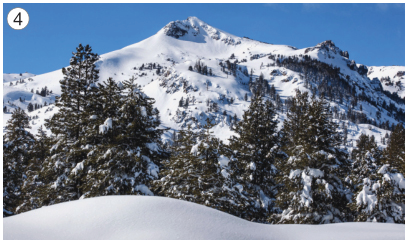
[195, 21]
[195, 30]
[329, 46]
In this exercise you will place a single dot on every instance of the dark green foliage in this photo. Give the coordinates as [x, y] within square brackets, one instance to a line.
[69, 127]
[119, 151]
[394, 154]
[253, 157]
[31, 189]
[311, 179]
[389, 188]
[17, 143]
[30, 107]
[390, 193]
[78, 78]
[193, 173]
[365, 164]
[365, 159]
[124, 160]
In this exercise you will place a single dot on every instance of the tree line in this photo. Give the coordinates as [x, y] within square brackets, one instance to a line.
[105, 140]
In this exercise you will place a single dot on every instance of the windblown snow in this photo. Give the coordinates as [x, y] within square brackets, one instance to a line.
[145, 217]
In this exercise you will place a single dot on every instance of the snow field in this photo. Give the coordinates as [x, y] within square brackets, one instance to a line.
[144, 217]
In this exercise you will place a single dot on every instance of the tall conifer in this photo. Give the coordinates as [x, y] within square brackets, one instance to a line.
[17, 143]
[312, 176]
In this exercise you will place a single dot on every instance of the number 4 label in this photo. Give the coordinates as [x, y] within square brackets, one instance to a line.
[19, 21]
[18, 18]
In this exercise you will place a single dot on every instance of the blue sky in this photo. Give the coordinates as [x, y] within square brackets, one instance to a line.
[374, 34]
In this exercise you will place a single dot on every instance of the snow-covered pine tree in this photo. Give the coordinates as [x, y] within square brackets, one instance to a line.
[215, 182]
[178, 178]
[311, 178]
[79, 77]
[253, 157]
[103, 108]
[126, 158]
[197, 172]
[31, 189]
[394, 154]
[390, 195]
[17, 143]
[382, 199]
[365, 164]
[390, 188]
[365, 160]
[68, 126]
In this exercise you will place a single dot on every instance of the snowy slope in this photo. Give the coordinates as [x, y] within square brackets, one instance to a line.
[179, 45]
[14, 77]
[142, 217]
[396, 80]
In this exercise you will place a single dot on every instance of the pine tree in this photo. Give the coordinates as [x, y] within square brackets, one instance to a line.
[30, 107]
[126, 159]
[31, 189]
[312, 176]
[365, 159]
[17, 143]
[197, 172]
[365, 164]
[394, 155]
[253, 157]
[177, 176]
[78, 78]
[390, 194]
[389, 189]
[69, 127]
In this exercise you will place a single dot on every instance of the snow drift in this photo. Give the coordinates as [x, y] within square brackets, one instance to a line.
[143, 217]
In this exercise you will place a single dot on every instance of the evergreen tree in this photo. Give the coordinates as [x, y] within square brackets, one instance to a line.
[30, 107]
[394, 154]
[17, 143]
[78, 78]
[126, 159]
[69, 126]
[196, 171]
[366, 162]
[253, 157]
[390, 194]
[311, 179]
[31, 189]
[177, 169]
[383, 200]
[181, 103]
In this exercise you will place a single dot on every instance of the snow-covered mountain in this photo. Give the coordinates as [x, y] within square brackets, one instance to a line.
[16, 77]
[392, 78]
[181, 44]
[144, 217]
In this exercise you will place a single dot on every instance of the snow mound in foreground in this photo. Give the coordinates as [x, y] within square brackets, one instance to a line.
[143, 217]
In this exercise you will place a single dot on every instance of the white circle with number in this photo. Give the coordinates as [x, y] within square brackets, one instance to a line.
[18, 18]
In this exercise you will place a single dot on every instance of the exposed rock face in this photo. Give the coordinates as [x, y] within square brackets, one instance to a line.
[345, 54]
[176, 29]
[351, 64]
[362, 69]
[400, 73]
[328, 46]
[194, 27]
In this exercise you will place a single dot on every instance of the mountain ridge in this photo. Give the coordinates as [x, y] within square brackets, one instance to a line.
[180, 44]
